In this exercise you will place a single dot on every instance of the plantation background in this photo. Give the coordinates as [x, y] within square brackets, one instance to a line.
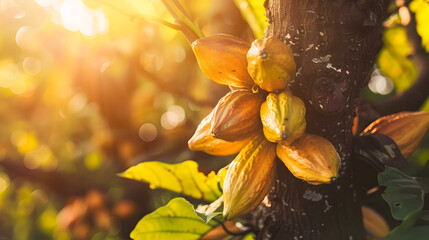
[89, 89]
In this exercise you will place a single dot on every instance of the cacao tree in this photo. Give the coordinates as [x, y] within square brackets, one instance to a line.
[335, 45]
[308, 148]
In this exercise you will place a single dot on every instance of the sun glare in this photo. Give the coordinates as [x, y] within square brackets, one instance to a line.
[76, 16]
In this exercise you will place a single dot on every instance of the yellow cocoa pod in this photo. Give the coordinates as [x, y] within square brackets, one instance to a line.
[236, 116]
[374, 223]
[202, 140]
[222, 58]
[283, 117]
[311, 158]
[248, 178]
[407, 129]
[271, 63]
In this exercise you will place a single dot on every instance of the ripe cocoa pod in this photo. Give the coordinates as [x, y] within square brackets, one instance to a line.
[283, 117]
[202, 140]
[406, 128]
[271, 63]
[222, 58]
[236, 116]
[375, 225]
[248, 178]
[311, 158]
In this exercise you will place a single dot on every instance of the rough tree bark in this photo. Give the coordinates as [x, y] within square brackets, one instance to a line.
[335, 44]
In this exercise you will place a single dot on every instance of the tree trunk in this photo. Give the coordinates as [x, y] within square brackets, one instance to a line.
[335, 43]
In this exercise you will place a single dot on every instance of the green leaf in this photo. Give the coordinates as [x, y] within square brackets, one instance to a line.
[182, 178]
[253, 11]
[416, 233]
[424, 183]
[404, 196]
[408, 221]
[176, 220]
[403, 193]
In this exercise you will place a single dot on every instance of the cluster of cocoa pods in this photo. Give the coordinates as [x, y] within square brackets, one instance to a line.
[261, 119]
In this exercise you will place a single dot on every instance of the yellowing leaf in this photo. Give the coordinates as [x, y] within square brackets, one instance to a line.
[393, 58]
[253, 12]
[176, 220]
[182, 178]
[421, 9]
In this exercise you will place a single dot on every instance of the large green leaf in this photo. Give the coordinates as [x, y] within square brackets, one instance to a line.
[182, 178]
[393, 59]
[424, 183]
[421, 9]
[416, 233]
[403, 193]
[408, 221]
[253, 12]
[176, 220]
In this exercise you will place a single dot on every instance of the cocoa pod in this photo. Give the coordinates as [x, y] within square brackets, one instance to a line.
[271, 63]
[375, 225]
[202, 140]
[236, 116]
[248, 178]
[311, 158]
[283, 117]
[222, 58]
[407, 129]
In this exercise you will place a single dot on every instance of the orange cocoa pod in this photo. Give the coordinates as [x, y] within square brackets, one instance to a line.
[271, 63]
[374, 223]
[248, 178]
[407, 129]
[222, 58]
[283, 117]
[311, 158]
[236, 116]
[202, 140]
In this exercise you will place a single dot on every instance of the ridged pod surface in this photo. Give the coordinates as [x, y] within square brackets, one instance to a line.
[407, 129]
[283, 117]
[248, 178]
[222, 58]
[236, 116]
[311, 158]
[271, 63]
[202, 140]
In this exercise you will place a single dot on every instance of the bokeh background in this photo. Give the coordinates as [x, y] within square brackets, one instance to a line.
[90, 88]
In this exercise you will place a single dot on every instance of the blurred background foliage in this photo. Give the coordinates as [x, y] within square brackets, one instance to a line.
[90, 88]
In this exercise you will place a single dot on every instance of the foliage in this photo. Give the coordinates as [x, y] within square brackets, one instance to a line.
[404, 195]
[176, 220]
[181, 178]
[421, 9]
[90, 88]
[393, 59]
[254, 13]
